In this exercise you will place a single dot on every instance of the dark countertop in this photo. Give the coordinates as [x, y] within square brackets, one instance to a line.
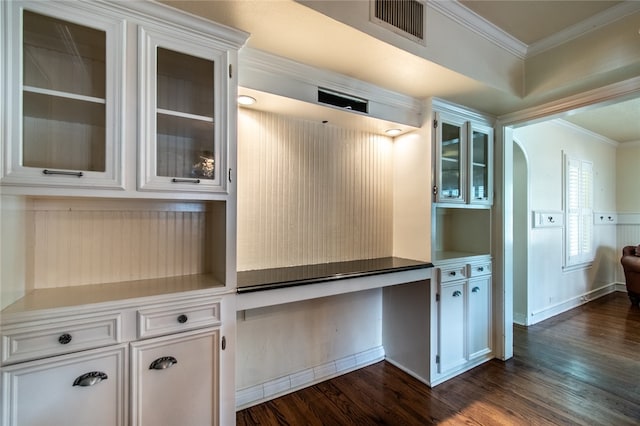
[268, 279]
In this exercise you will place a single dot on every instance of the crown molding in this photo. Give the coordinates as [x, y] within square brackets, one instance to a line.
[593, 23]
[476, 23]
[608, 94]
[578, 129]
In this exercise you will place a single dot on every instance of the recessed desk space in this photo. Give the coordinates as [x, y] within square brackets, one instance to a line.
[267, 287]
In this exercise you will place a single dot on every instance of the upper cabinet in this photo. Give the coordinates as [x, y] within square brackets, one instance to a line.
[64, 82]
[131, 96]
[463, 160]
[183, 94]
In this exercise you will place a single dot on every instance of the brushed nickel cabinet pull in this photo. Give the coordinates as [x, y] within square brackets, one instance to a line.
[90, 379]
[62, 172]
[163, 363]
[178, 180]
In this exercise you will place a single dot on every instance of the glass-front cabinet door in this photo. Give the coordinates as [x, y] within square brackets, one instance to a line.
[183, 91]
[451, 145]
[481, 152]
[65, 77]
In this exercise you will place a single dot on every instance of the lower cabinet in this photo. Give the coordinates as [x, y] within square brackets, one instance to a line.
[174, 379]
[464, 316]
[83, 388]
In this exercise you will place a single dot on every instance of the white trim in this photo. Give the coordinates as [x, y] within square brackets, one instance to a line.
[558, 308]
[476, 23]
[290, 383]
[257, 61]
[593, 23]
[598, 137]
[490, 32]
[610, 94]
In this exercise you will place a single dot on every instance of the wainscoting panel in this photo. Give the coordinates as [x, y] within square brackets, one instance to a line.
[310, 192]
[101, 243]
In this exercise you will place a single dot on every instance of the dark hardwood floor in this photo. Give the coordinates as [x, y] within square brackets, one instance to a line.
[578, 368]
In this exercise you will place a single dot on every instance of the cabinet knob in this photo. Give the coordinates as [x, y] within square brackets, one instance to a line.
[457, 293]
[163, 363]
[183, 318]
[475, 289]
[452, 273]
[90, 379]
[481, 268]
[64, 338]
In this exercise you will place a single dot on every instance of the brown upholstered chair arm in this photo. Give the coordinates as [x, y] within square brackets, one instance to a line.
[629, 251]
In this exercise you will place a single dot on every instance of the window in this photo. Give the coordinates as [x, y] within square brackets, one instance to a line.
[578, 212]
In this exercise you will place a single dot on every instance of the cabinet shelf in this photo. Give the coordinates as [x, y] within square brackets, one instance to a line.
[53, 298]
[61, 94]
[185, 115]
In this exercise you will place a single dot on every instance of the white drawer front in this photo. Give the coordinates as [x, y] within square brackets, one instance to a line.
[169, 318]
[39, 340]
[453, 273]
[479, 269]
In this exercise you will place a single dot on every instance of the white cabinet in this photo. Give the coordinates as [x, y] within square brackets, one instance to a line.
[175, 380]
[463, 160]
[184, 97]
[104, 96]
[83, 388]
[70, 364]
[464, 315]
[65, 85]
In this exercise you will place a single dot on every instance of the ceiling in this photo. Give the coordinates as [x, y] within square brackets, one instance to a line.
[290, 29]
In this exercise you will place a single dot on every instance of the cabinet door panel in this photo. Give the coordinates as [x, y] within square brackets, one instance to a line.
[452, 326]
[43, 392]
[175, 380]
[66, 96]
[479, 316]
[184, 104]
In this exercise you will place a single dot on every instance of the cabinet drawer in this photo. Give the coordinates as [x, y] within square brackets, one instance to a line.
[170, 318]
[479, 269]
[38, 340]
[453, 273]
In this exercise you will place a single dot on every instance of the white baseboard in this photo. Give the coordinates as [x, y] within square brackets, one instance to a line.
[301, 379]
[519, 318]
[558, 308]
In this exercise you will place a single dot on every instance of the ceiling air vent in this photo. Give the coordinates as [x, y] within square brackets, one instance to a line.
[341, 100]
[404, 17]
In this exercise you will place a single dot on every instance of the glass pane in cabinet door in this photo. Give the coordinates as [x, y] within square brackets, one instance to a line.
[63, 56]
[450, 161]
[185, 116]
[480, 166]
[63, 95]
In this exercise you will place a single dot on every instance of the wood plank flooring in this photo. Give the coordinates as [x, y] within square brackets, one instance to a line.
[578, 368]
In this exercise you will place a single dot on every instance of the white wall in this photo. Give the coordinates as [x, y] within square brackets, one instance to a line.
[551, 290]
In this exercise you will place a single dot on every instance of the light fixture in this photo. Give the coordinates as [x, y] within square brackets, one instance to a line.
[246, 100]
[393, 132]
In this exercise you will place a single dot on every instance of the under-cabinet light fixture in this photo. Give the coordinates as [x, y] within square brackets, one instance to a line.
[393, 132]
[246, 100]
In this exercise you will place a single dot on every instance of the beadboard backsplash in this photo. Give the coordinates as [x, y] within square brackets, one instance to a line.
[100, 241]
[310, 192]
